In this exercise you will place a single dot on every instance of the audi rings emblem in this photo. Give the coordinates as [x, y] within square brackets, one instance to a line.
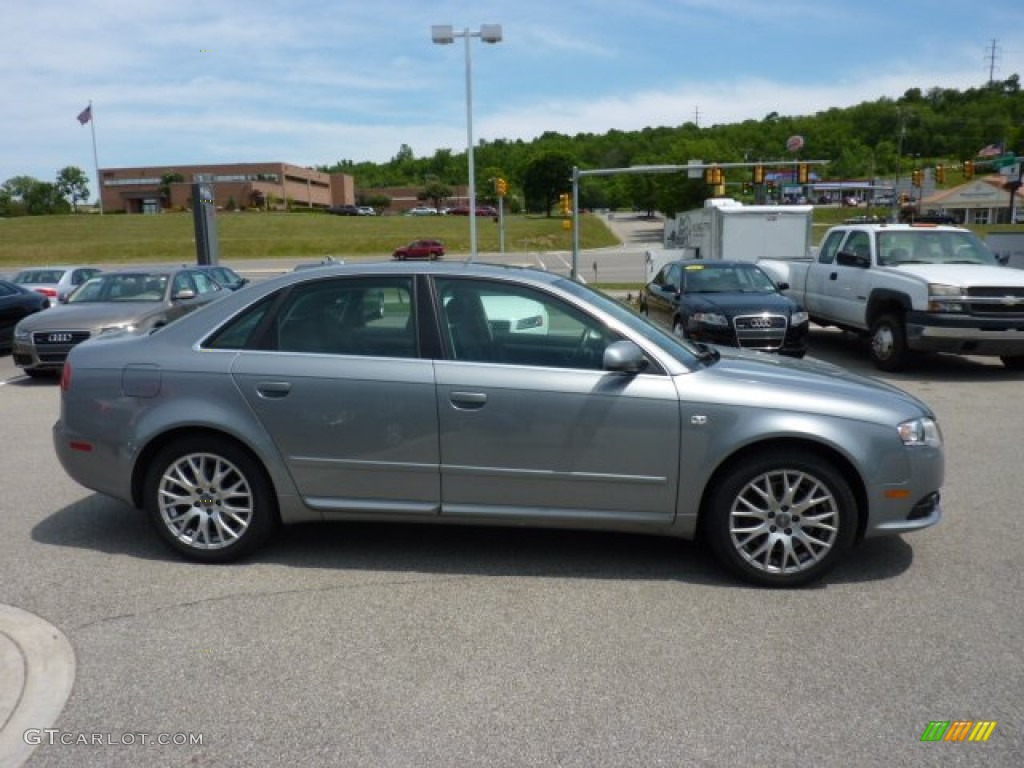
[760, 322]
[59, 338]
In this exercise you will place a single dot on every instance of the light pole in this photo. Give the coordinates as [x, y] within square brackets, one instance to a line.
[445, 34]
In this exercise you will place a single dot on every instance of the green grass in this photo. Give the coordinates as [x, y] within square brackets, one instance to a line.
[168, 237]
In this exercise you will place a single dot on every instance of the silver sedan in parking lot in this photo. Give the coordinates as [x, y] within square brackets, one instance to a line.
[403, 392]
[134, 300]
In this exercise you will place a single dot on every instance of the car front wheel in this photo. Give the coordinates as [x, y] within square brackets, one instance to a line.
[782, 520]
[209, 499]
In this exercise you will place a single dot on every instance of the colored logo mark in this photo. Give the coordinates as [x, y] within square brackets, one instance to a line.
[958, 730]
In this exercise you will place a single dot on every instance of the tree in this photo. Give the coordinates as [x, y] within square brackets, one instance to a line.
[547, 175]
[72, 182]
[27, 195]
[171, 177]
[436, 193]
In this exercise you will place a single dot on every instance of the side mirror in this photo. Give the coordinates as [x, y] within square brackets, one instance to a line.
[183, 294]
[624, 357]
[783, 286]
[850, 259]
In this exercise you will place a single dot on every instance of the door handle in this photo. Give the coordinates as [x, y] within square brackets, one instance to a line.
[468, 401]
[273, 390]
[833, 276]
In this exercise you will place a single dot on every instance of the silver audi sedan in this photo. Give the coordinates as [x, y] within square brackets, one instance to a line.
[486, 395]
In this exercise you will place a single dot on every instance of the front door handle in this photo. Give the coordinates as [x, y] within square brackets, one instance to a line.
[833, 276]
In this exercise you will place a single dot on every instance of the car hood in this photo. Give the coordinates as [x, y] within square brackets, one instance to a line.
[734, 303]
[812, 386]
[964, 274]
[90, 316]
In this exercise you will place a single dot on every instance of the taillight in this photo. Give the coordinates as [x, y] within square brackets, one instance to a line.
[46, 292]
[65, 378]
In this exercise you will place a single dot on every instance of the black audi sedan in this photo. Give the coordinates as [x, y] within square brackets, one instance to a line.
[16, 302]
[731, 303]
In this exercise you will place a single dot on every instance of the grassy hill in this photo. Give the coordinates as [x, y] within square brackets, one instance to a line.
[168, 237]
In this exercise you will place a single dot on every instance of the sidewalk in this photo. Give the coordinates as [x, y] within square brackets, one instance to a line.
[37, 671]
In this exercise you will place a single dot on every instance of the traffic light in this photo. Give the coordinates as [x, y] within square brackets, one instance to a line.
[803, 175]
[968, 169]
[714, 176]
[940, 174]
[564, 205]
[501, 187]
[915, 178]
[758, 176]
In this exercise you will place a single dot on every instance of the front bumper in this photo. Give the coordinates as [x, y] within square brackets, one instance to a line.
[965, 335]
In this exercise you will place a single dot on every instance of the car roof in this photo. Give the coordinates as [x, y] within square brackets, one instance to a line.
[438, 268]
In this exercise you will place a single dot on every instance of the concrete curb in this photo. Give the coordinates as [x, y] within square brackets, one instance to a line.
[37, 671]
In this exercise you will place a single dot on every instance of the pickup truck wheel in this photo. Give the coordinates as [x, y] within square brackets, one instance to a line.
[782, 520]
[1014, 363]
[889, 343]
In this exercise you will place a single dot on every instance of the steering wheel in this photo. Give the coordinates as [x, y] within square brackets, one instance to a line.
[585, 352]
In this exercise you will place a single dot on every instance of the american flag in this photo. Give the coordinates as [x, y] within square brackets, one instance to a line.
[85, 115]
[991, 150]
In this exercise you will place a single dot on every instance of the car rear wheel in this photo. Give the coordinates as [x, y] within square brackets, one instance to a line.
[782, 520]
[209, 499]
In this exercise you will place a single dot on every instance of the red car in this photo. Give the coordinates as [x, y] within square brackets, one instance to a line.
[420, 249]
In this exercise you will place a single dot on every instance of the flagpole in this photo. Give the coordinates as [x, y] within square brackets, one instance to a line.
[95, 156]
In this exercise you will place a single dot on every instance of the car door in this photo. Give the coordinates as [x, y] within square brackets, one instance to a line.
[663, 294]
[849, 285]
[338, 384]
[532, 429]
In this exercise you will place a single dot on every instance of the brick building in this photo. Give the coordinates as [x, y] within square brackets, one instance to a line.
[243, 185]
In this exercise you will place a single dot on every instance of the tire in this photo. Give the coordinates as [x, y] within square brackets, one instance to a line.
[1014, 363]
[38, 373]
[888, 340]
[762, 528]
[193, 517]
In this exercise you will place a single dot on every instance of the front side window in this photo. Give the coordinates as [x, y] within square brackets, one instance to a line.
[204, 283]
[497, 322]
[829, 248]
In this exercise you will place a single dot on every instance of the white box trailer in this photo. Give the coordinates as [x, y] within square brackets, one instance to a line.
[727, 229]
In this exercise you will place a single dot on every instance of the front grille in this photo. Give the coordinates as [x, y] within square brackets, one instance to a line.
[996, 301]
[760, 331]
[59, 338]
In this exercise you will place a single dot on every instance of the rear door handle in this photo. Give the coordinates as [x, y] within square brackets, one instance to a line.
[468, 401]
[273, 390]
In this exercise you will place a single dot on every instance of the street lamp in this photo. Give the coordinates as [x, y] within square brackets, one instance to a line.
[445, 34]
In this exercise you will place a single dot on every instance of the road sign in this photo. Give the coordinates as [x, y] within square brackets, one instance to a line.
[1004, 160]
[1010, 170]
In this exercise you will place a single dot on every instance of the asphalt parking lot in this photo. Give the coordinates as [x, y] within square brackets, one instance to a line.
[372, 645]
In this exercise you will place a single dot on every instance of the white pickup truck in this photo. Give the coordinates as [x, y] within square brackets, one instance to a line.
[911, 287]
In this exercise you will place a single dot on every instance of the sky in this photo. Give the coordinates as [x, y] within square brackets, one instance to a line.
[312, 82]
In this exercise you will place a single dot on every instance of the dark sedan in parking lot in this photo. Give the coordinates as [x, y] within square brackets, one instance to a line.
[16, 303]
[136, 300]
[407, 392]
[733, 303]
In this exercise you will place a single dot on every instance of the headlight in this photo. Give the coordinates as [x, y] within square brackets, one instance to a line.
[923, 431]
[799, 318]
[710, 318]
[20, 334]
[945, 298]
[130, 327]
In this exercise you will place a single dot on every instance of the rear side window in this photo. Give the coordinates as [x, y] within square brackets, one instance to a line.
[239, 331]
[366, 316]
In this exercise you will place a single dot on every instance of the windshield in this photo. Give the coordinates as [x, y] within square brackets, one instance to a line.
[725, 278]
[39, 276]
[680, 349]
[932, 246]
[124, 287]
